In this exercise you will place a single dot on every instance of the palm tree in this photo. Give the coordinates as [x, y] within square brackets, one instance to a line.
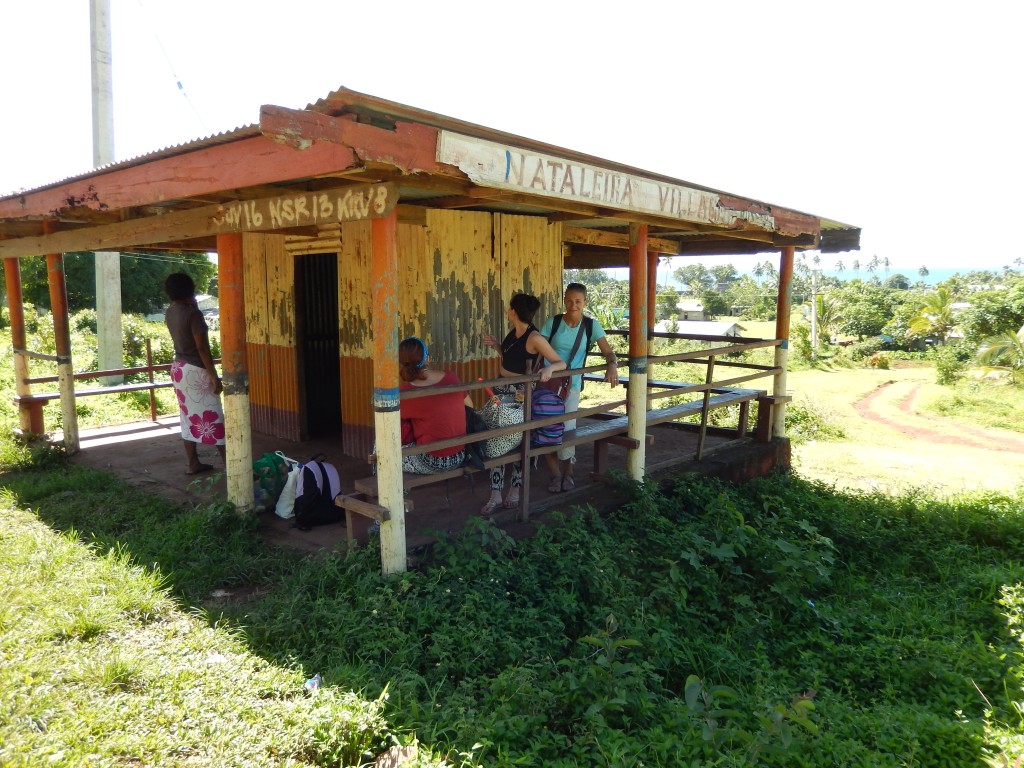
[885, 265]
[827, 315]
[935, 315]
[840, 267]
[1004, 351]
[923, 271]
[759, 271]
[856, 266]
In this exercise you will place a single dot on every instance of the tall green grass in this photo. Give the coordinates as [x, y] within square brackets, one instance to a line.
[775, 623]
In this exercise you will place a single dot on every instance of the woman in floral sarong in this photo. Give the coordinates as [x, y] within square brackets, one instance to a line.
[193, 374]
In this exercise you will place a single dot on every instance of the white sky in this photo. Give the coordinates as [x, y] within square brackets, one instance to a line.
[903, 118]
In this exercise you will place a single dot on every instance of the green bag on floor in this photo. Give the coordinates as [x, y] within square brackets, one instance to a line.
[270, 472]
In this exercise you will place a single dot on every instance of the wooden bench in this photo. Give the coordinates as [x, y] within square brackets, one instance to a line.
[602, 433]
[33, 403]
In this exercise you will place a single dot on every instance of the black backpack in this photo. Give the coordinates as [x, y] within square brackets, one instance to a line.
[315, 491]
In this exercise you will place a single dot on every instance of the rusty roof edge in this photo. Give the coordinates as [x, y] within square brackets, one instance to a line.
[344, 99]
[225, 137]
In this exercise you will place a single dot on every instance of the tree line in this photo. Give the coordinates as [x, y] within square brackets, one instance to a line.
[979, 312]
[142, 279]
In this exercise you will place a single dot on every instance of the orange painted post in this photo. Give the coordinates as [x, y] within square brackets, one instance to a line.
[636, 395]
[386, 415]
[783, 308]
[15, 303]
[652, 291]
[62, 341]
[235, 372]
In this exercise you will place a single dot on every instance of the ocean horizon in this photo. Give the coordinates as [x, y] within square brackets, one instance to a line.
[934, 276]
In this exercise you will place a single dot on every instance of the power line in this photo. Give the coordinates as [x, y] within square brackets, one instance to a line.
[170, 65]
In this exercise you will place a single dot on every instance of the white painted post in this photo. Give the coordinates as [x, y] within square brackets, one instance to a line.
[235, 372]
[783, 307]
[387, 418]
[636, 395]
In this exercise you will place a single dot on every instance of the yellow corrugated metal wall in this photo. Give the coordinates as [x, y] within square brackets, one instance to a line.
[270, 336]
[456, 276]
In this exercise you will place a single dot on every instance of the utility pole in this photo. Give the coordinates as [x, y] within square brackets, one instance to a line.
[110, 350]
[814, 313]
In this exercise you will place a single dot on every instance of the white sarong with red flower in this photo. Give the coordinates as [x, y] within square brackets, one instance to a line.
[202, 418]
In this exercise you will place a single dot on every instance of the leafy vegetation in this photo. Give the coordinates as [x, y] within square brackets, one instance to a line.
[774, 623]
[142, 277]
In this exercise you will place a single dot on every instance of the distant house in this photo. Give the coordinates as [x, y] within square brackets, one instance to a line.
[699, 328]
[690, 309]
[207, 304]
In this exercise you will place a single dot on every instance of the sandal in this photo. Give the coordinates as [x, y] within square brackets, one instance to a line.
[555, 486]
[490, 506]
[568, 483]
[511, 501]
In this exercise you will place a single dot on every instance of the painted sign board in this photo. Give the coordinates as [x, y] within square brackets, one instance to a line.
[299, 209]
[367, 201]
[503, 166]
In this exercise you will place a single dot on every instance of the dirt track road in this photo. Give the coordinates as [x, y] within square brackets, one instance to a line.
[899, 395]
[892, 444]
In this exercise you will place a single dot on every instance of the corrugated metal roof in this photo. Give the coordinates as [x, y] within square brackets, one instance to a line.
[175, 149]
[834, 235]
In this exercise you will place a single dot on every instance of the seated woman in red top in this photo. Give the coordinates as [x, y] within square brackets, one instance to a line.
[429, 419]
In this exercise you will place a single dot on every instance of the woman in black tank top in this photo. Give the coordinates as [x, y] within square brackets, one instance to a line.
[519, 350]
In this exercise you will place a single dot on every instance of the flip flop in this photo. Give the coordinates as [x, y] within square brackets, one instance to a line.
[511, 502]
[568, 483]
[200, 469]
[489, 507]
[555, 486]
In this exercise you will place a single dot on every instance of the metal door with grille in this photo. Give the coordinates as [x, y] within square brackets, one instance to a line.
[317, 341]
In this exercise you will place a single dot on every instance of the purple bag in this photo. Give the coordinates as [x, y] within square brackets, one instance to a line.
[547, 403]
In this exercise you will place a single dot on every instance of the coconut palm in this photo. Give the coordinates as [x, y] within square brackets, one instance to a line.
[828, 315]
[840, 267]
[935, 315]
[1004, 351]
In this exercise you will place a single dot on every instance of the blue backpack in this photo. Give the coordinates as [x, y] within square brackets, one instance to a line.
[547, 403]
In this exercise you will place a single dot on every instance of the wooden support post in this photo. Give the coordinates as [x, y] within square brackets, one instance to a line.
[704, 407]
[524, 454]
[387, 418]
[62, 341]
[782, 311]
[636, 395]
[235, 372]
[16, 305]
[652, 292]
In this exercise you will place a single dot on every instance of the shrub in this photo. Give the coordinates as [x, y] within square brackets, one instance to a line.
[863, 349]
[801, 338]
[949, 364]
[879, 361]
[807, 421]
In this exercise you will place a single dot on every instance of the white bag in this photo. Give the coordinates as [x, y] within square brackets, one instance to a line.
[286, 501]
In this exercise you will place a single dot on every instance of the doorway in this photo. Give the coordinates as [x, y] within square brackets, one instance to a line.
[316, 279]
